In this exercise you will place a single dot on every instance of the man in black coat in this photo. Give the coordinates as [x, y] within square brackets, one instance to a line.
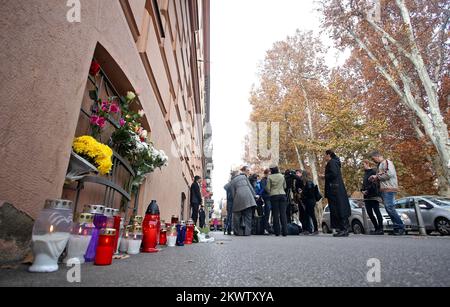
[336, 194]
[196, 198]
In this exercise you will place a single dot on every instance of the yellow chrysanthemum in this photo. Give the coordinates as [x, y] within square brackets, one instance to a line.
[98, 152]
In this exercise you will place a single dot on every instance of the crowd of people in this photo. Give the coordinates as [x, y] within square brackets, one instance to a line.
[274, 202]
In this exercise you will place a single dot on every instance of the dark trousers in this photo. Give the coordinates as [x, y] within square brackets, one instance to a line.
[267, 209]
[202, 221]
[371, 207]
[229, 223]
[242, 222]
[310, 215]
[338, 221]
[279, 206]
[195, 208]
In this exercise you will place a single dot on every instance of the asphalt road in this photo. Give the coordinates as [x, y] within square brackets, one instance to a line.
[267, 261]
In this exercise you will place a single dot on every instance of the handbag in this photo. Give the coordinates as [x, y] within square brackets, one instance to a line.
[317, 194]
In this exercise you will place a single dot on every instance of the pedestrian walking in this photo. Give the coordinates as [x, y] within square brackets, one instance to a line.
[336, 194]
[243, 203]
[387, 178]
[371, 192]
[308, 197]
[196, 198]
[276, 186]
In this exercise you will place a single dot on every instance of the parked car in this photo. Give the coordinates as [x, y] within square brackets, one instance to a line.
[435, 212]
[357, 222]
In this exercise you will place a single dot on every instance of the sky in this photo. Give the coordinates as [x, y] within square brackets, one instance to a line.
[241, 33]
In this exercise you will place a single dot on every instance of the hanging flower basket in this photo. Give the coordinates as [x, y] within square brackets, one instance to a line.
[79, 167]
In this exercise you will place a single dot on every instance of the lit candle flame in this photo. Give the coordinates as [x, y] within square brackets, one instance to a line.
[135, 236]
[51, 229]
[80, 230]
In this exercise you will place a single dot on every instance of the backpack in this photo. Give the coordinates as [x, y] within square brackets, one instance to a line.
[293, 229]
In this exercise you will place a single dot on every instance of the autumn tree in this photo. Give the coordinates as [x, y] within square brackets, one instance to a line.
[406, 41]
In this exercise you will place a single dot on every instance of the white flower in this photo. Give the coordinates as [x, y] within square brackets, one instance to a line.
[141, 113]
[143, 134]
[131, 96]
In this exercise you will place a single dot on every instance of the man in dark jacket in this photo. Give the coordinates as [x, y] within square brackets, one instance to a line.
[336, 194]
[196, 198]
[372, 196]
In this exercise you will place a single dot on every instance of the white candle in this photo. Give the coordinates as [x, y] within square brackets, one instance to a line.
[123, 247]
[47, 249]
[134, 246]
[77, 247]
[171, 241]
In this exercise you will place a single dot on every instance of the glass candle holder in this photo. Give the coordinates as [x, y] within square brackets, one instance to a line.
[105, 247]
[135, 241]
[150, 239]
[172, 236]
[163, 235]
[181, 230]
[109, 213]
[136, 220]
[51, 232]
[123, 246]
[80, 238]
[118, 226]
[100, 221]
[189, 232]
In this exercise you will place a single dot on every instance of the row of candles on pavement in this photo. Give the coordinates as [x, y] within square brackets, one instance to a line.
[99, 234]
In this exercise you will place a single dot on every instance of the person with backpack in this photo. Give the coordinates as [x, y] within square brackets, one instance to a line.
[371, 192]
[308, 197]
[386, 176]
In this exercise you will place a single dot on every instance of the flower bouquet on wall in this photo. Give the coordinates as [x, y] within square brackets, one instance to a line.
[89, 156]
[131, 142]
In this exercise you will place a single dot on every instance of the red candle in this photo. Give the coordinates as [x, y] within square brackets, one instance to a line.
[163, 237]
[105, 247]
[189, 232]
[150, 239]
[117, 221]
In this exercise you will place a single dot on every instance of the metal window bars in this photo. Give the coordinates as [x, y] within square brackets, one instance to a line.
[111, 180]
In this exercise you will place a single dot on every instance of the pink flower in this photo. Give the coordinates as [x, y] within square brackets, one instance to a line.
[122, 122]
[101, 122]
[105, 105]
[94, 119]
[114, 108]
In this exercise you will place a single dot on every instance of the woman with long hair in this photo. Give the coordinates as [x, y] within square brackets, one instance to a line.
[308, 197]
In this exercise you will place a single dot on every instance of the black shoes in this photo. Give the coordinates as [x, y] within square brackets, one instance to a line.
[377, 232]
[341, 234]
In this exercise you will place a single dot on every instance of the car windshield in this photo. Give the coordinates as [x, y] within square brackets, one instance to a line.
[440, 201]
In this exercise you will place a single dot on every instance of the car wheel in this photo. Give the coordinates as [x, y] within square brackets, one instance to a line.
[357, 227]
[325, 228]
[443, 226]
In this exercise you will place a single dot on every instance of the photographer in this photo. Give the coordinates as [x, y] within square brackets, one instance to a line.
[299, 187]
[292, 178]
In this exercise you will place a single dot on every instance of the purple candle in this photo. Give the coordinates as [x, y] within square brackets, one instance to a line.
[99, 223]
